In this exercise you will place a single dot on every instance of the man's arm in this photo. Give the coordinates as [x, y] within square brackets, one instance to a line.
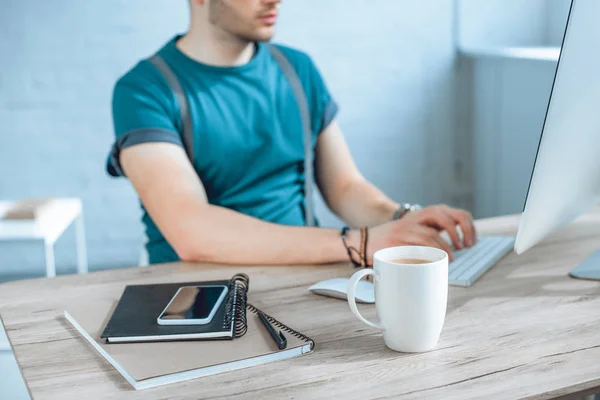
[358, 202]
[347, 193]
[174, 196]
[176, 200]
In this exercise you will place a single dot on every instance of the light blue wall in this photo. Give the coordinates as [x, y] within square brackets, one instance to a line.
[60, 60]
[501, 22]
[509, 93]
[513, 23]
[558, 11]
[390, 65]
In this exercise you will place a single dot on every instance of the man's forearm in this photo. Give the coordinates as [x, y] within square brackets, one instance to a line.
[360, 203]
[216, 234]
[174, 196]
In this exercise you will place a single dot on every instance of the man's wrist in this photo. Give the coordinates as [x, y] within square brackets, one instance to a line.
[353, 238]
[355, 242]
[404, 209]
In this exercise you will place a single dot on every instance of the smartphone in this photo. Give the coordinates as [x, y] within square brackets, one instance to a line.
[193, 305]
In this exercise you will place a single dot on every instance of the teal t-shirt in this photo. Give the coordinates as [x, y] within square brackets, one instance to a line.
[248, 142]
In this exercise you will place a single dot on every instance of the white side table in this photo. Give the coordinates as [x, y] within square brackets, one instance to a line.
[48, 228]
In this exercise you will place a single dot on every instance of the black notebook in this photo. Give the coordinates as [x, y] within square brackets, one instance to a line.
[134, 318]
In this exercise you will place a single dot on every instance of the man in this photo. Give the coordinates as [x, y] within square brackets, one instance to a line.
[241, 199]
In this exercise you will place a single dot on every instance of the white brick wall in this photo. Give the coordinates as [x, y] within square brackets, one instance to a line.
[389, 64]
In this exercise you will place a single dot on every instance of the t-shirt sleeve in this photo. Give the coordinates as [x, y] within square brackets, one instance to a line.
[143, 110]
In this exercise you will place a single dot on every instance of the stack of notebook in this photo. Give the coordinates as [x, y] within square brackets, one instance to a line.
[149, 355]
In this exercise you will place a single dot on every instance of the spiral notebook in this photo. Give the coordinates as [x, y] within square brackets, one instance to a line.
[149, 364]
[134, 319]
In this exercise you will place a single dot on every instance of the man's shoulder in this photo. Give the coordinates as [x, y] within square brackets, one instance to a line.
[144, 82]
[297, 58]
[144, 72]
[140, 76]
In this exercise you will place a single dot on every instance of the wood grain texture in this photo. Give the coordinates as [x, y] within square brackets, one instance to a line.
[524, 330]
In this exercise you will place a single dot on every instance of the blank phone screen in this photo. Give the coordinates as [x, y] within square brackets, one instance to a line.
[193, 302]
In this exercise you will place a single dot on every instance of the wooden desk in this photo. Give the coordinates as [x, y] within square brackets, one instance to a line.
[525, 330]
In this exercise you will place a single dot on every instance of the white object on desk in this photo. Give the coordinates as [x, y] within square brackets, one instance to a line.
[338, 288]
[48, 227]
[470, 264]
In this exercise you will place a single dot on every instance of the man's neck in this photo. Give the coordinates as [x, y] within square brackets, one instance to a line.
[216, 48]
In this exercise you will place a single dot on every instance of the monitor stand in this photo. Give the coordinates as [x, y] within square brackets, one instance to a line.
[589, 268]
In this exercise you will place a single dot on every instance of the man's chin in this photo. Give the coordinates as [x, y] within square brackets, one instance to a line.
[262, 35]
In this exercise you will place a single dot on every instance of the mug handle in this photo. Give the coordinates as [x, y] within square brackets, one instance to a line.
[352, 296]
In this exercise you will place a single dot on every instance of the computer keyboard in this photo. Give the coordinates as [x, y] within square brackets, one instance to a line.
[470, 264]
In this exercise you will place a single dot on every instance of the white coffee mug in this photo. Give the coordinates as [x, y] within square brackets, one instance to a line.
[410, 299]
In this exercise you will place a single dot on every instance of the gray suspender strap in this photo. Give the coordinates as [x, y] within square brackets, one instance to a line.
[292, 77]
[182, 101]
[290, 73]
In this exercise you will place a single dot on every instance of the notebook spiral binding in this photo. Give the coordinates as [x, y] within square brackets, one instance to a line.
[236, 305]
[283, 327]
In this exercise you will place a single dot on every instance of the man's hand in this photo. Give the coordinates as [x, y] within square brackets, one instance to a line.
[423, 227]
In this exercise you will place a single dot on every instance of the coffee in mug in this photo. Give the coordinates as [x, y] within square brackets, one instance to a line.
[410, 261]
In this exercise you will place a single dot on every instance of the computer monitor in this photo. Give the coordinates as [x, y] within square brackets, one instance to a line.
[566, 177]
